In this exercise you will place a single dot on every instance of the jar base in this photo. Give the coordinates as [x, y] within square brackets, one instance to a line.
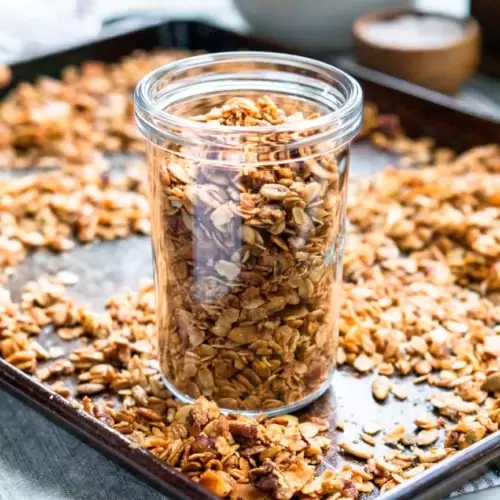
[273, 412]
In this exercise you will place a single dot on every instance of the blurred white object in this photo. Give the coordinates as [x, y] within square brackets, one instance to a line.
[415, 32]
[310, 24]
[28, 27]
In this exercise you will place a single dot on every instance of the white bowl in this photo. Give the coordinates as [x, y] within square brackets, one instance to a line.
[310, 24]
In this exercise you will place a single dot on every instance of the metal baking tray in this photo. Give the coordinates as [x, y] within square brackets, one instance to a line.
[104, 267]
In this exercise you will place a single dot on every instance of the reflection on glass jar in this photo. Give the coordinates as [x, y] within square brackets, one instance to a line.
[248, 158]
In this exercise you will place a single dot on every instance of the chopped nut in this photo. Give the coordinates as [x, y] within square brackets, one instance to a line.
[219, 483]
[492, 382]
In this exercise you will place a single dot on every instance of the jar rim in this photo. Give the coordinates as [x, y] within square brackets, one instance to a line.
[347, 113]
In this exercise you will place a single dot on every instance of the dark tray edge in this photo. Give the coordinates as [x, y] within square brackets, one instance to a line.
[434, 484]
[111, 443]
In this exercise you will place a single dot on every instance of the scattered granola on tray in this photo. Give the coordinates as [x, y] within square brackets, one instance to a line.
[421, 299]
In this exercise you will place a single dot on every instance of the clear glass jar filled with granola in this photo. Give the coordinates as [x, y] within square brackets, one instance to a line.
[248, 157]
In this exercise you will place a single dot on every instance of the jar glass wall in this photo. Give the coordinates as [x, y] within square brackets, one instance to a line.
[248, 158]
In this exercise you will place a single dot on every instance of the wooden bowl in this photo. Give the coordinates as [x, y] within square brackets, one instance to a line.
[443, 68]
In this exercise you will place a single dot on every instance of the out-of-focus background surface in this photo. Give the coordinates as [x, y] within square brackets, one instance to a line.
[31, 27]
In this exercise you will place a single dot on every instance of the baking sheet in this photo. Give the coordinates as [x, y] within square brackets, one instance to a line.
[103, 269]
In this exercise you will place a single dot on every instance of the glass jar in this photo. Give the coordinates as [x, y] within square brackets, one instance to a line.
[248, 156]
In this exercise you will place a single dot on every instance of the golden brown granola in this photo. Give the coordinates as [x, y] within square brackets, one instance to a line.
[73, 120]
[421, 299]
[240, 259]
[55, 210]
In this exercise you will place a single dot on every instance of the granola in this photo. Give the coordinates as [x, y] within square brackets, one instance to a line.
[421, 299]
[247, 259]
[72, 121]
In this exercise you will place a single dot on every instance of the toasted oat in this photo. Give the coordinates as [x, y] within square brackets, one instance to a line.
[427, 437]
[432, 456]
[400, 391]
[372, 428]
[492, 382]
[395, 435]
[88, 389]
[363, 363]
[426, 421]
[368, 439]
[421, 288]
[67, 278]
[357, 450]
[265, 299]
[381, 387]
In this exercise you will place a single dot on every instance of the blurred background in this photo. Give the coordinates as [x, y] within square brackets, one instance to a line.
[436, 55]
[31, 26]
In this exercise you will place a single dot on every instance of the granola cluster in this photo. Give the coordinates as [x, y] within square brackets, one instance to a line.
[55, 209]
[247, 267]
[233, 456]
[72, 121]
[421, 300]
